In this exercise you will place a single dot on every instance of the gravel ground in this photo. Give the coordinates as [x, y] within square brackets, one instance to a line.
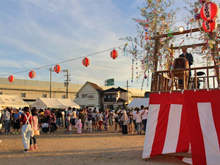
[58, 148]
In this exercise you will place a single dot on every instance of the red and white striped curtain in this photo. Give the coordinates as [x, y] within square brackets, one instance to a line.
[181, 122]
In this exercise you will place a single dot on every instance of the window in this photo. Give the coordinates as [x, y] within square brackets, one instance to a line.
[84, 96]
[44, 95]
[90, 96]
[23, 94]
[110, 98]
[63, 96]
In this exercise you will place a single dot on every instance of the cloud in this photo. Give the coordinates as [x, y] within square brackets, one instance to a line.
[46, 32]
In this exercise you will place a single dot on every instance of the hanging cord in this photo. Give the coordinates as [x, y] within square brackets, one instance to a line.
[65, 60]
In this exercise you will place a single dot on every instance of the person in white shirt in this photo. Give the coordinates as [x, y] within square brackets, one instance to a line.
[7, 121]
[138, 117]
[73, 117]
[144, 112]
[124, 118]
[134, 120]
[99, 120]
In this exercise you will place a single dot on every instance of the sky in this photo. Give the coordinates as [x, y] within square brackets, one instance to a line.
[35, 33]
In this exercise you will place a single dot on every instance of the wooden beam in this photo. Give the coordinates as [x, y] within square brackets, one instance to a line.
[178, 33]
[189, 46]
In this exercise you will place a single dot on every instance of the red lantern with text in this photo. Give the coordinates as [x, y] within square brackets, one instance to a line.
[210, 11]
[11, 78]
[32, 74]
[209, 26]
[57, 68]
[114, 54]
[85, 62]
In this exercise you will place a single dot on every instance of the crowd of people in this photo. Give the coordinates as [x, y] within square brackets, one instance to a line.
[32, 122]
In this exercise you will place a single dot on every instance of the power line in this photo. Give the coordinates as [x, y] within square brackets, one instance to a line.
[66, 60]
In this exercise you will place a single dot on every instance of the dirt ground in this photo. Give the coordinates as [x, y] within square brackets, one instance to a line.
[102, 148]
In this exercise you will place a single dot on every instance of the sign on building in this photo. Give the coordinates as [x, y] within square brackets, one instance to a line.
[109, 82]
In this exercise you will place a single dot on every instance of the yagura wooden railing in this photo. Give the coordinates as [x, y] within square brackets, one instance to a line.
[167, 80]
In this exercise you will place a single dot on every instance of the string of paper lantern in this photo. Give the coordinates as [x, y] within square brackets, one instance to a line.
[57, 68]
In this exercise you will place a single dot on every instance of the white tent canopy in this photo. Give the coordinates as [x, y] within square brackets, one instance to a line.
[54, 103]
[137, 102]
[12, 101]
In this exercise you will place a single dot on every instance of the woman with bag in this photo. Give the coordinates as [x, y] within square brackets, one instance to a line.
[26, 130]
[35, 129]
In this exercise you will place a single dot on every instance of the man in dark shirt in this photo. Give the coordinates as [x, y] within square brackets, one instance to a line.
[187, 55]
[189, 58]
[82, 117]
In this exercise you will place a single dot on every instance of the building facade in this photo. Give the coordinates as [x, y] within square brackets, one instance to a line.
[104, 97]
[114, 98]
[30, 90]
[90, 95]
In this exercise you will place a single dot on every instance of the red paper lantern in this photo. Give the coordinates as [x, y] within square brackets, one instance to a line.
[209, 11]
[11, 78]
[114, 54]
[209, 26]
[85, 62]
[57, 68]
[32, 74]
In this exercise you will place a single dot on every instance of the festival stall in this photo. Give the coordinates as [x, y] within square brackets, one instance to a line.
[137, 102]
[12, 101]
[54, 103]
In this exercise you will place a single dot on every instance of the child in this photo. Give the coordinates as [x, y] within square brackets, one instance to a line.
[35, 128]
[79, 126]
[68, 123]
[89, 121]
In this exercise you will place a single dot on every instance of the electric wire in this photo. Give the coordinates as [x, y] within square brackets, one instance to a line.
[92, 54]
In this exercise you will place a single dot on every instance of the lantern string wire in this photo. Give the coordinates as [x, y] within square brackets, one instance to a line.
[65, 60]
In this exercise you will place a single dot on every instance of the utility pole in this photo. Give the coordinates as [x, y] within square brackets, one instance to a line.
[66, 83]
[50, 80]
[127, 92]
